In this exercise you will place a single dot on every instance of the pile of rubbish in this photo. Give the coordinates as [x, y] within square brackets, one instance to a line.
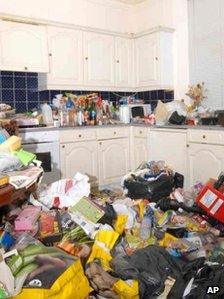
[149, 239]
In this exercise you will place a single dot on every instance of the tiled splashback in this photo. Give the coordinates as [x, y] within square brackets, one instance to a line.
[20, 90]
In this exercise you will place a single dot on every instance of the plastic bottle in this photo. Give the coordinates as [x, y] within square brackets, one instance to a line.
[63, 116]
[147, 223]
[47, 114]
[80, 117]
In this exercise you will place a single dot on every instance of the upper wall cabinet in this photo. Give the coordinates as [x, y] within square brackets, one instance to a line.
[23, 47]
[154, 60]
[123, 62]
[66, 58]
[98, 59]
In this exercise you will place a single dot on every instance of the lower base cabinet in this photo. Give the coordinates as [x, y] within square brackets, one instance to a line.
[80, 157]
[204, 161]
[171, 147]
[141, 153]
[114, 160]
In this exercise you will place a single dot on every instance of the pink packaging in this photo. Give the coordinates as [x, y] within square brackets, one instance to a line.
[27, 218]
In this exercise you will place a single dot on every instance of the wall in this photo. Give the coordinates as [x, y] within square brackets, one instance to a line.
[206, 20]
[19, 90]
[181, 48]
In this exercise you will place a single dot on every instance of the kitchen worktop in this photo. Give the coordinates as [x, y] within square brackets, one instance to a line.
[176, 127]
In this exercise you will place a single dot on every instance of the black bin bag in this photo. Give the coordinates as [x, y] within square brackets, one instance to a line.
[138, 188]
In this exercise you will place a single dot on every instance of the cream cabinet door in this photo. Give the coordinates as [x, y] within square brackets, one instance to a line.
[123, 62]
[114, 160]
[146, 59]
[204, 161]
[98, 59]
[23, 47]
[171, 147]
[141, 153]
[79, 157]
[66, 57]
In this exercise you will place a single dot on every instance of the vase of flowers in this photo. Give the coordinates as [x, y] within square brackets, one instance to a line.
[197, 95]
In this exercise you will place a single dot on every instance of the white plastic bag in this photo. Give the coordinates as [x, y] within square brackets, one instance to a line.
[69, 192]
[9, 162]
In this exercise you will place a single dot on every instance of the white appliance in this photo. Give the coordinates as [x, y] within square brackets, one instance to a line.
[139, 110]
[45, 144]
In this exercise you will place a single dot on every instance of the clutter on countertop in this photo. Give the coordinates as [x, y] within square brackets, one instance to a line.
[147, 239]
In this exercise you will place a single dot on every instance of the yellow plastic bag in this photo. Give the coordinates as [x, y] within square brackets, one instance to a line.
[126, 290]
[120, 223]
[166, 240]
[107, 237]
[101, 254]
[71, 284]
[104, 242]
[13, 143]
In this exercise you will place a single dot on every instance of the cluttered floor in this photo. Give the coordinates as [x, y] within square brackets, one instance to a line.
[148, 239]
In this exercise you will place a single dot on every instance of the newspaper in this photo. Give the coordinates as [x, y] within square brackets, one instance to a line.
[25, 178]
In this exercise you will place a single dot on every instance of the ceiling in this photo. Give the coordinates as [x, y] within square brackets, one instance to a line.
[131, 1]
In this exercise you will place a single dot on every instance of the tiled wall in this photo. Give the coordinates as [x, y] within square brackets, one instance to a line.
[20, 91]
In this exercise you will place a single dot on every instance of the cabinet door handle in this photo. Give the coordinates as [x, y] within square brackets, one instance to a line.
[50, 54]
[63, 146]
[203, 136]
[25, 68]
[157, 58]
[100, 143]
[140, 132]
[115, 133]
[188, 145]
[86, 58]
[80, 135]
[118, 61]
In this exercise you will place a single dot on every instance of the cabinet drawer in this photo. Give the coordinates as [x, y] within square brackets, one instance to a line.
[77, 135]
[212, 137]
[140, 132]
[111, 133]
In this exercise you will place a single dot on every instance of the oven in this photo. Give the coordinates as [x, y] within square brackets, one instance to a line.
[45, 144]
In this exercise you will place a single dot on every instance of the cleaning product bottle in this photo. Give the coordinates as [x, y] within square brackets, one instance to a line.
[147, 223]
[80, 117]
[47, 114]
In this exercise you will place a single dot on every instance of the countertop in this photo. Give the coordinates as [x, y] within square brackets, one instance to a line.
[176, 127]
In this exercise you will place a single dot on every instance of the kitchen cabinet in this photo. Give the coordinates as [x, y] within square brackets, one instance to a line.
[204, 161]
[123, 62]
[98, 59]
[140, 151]
[154, 60]
[66, 59]
[114, 160]
[23, 47]
[139, 146]
[205, 154]
[79, 157]
[169, 145]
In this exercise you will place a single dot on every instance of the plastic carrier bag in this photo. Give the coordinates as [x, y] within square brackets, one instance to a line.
[71, 284]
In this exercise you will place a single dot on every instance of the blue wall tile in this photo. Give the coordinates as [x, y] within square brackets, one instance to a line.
[7, 95]
[7, 82]
[20, 95]
[21, 107]
[19, 89]
[32, 83]
[20, 82]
